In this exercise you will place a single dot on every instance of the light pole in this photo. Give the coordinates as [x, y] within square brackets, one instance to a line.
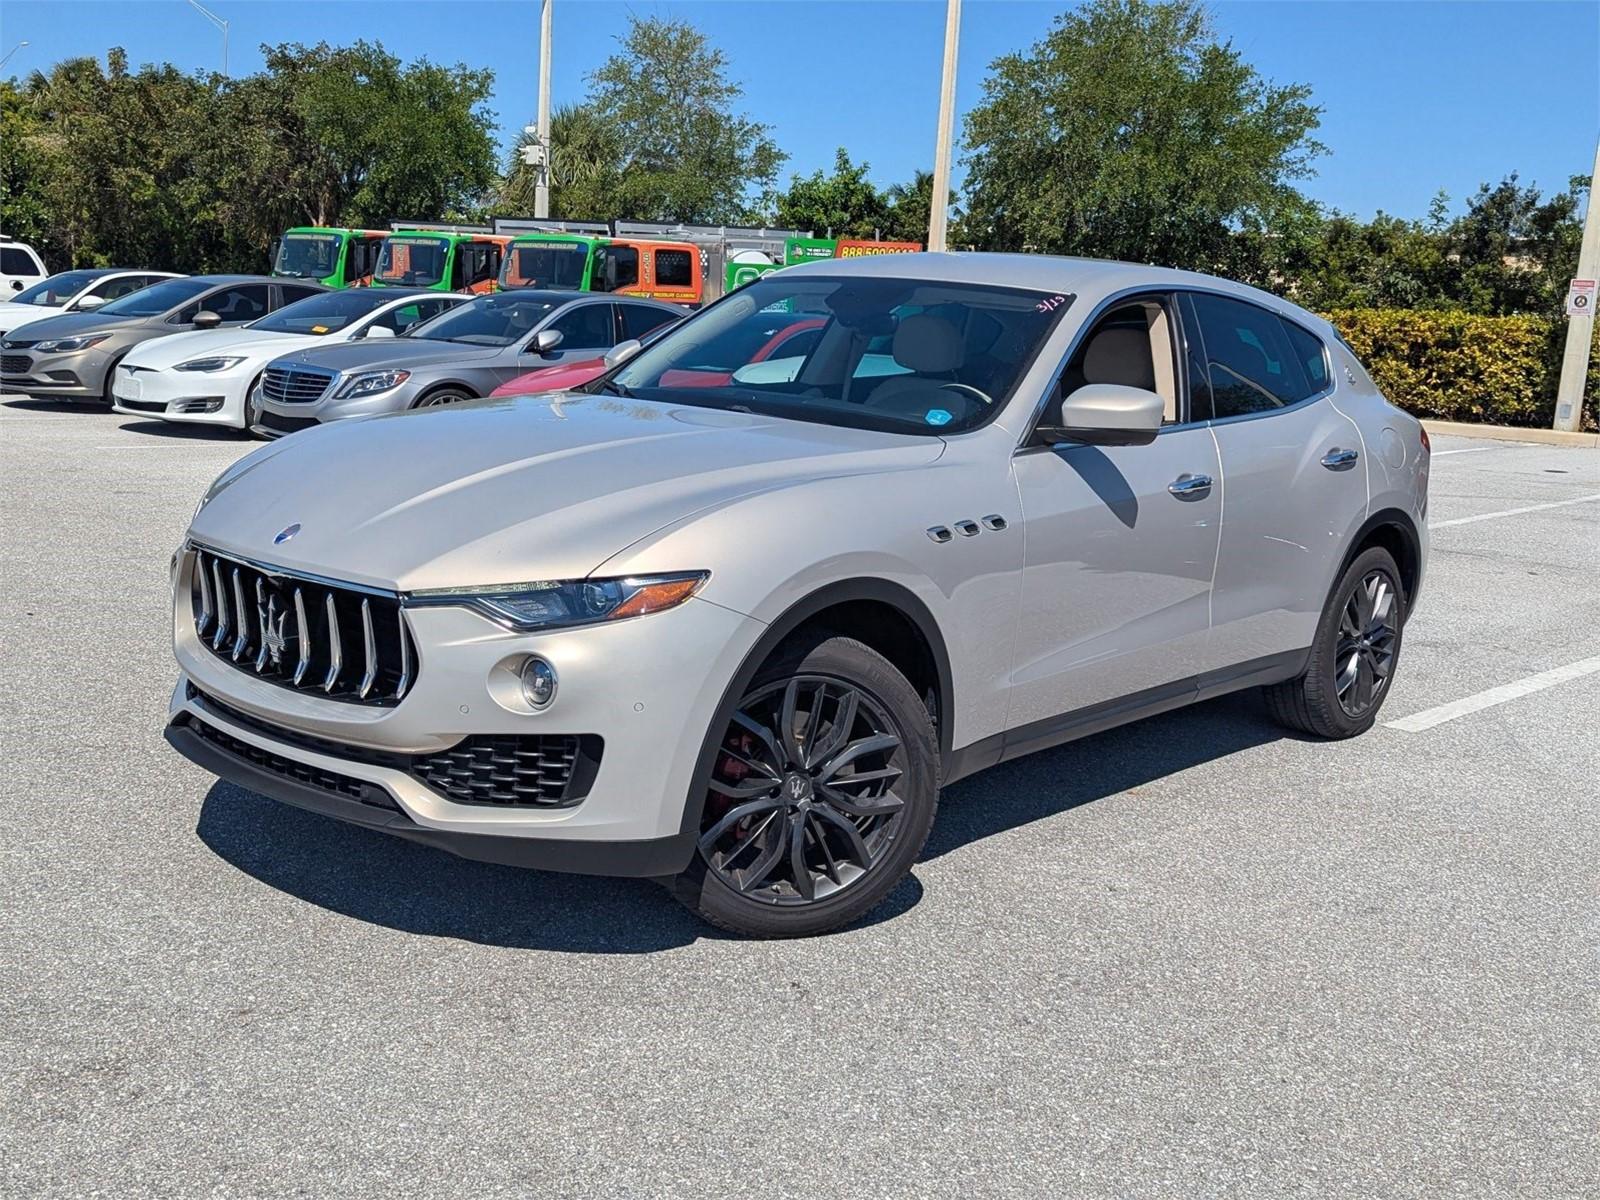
[541, 187]
[939, 209]
[10, 52]
[220, 24]
[1580, 329]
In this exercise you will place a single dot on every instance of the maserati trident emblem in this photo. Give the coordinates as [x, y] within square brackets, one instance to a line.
[273, 637]
[287, 532]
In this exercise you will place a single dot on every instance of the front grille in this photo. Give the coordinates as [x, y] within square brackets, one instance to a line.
[317, 637]
[16, 364]
[281, 424]
[294, 385]
[154, 406]
[535, 771]
[18, 344]
[543, 770]
[266, 760]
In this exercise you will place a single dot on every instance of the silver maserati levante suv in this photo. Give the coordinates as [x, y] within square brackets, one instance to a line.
[732, 623]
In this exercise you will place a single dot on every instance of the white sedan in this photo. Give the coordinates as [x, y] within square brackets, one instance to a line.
[209, 374]
[71, 292]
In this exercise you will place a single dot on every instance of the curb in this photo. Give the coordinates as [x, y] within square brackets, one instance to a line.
[1508, 433]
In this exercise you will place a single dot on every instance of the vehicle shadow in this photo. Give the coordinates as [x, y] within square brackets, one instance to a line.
[185, 430]
[1056, 781]
[29, 404]
[417, 889]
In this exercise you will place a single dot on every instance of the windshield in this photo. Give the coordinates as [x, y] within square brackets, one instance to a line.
[496, 320]
[58, 289]
[413, 261]
[555, 265]
[156, 299]
[901, 355]
[308, 255]
[324, 312]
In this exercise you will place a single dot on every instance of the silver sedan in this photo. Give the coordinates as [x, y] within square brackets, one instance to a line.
[461, 355]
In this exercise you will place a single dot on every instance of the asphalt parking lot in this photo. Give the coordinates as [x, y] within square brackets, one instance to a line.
[1192, 957]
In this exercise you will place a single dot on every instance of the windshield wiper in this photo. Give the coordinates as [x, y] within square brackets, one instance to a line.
[616, 389]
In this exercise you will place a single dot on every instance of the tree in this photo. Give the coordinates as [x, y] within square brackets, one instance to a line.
[1512, 250]
[910, 205]
[1131, 132]
[686, 155]
[585, 169]
[845, 204]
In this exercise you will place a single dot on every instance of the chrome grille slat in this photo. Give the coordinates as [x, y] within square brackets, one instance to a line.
[294, 385]
[294, 630]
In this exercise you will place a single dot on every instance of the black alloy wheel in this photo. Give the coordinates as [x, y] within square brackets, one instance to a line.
[821, 794]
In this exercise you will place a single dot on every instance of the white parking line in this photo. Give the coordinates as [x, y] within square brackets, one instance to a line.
[1429, 717]
[1513, 512]
[1468, 450]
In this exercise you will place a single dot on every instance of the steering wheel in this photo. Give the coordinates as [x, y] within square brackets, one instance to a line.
[982, 397]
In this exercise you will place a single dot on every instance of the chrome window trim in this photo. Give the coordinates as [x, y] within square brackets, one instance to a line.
[290, 573]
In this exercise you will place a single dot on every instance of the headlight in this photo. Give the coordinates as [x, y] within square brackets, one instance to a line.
[60, 345]
[525, 607]
[370, 383]
[208, 364]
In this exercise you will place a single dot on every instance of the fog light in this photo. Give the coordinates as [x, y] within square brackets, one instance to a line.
[538, 682]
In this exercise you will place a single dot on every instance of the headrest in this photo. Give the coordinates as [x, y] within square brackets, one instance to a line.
[927, 345]
[1120, 356]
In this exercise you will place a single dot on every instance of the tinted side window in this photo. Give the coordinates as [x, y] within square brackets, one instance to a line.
[14, 260]
[402, 319]
[1250, 363]
[1313, 360]
[233, 304]
[640, 319]
[587, 327]
[627, 268]
[292, 292]
[113, 289]
[672, 268]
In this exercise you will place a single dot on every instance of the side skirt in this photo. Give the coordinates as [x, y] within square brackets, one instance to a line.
[1097, 718]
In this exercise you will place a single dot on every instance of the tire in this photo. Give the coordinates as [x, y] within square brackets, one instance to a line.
[1360, 631]
[107, 399]
[743, 877]
[442, 397]
[252, 414]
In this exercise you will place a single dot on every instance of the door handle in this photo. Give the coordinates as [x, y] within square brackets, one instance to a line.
[1337, 459]
[1190, 487]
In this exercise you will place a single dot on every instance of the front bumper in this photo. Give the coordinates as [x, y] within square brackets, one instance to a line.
[76, 375]
[211, 398]
[648, 687]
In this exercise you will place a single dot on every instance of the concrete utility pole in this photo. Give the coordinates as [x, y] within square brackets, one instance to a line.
[541, 190]
[938, 212]
[220, 24]
[1580, 330]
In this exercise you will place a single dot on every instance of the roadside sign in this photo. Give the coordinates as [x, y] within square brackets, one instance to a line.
[1580, 298]
[862, 248]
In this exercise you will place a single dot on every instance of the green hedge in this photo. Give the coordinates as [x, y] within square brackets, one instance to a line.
[1460, 367]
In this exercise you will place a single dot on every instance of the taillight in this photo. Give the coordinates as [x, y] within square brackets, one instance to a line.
[1427, 446]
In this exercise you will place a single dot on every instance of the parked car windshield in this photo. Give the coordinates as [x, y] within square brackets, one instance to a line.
[56, 290]
[157, 298]
[496, 320]
[307, 255]
[903, 355]
[324, 312]
[413, 261]
[555, 265]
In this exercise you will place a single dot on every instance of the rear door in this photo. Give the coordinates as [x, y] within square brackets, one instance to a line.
[1293, 487]
[1120, 543]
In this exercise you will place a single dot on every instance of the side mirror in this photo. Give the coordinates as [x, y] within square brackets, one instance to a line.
[89, 303]
[1105, 414]
[621, 353]
[378, 331]
[546, 341]
[16, 285]
[206, 320]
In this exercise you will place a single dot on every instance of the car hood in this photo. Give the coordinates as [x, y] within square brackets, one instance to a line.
[389, 352]
[502, 491]
[181, 347]
[73, 324]
[13, 315]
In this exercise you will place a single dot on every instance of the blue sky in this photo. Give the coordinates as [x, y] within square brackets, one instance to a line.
[1418, 95]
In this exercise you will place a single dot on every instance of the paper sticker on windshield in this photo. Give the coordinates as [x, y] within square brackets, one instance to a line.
[937, 416]
[319, 329]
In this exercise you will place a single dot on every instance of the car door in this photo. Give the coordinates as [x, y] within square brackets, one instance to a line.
[1120, 543]
[1293, 486]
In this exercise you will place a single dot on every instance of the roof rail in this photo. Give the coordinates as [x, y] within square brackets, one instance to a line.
[515, 225]
[438, 227]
